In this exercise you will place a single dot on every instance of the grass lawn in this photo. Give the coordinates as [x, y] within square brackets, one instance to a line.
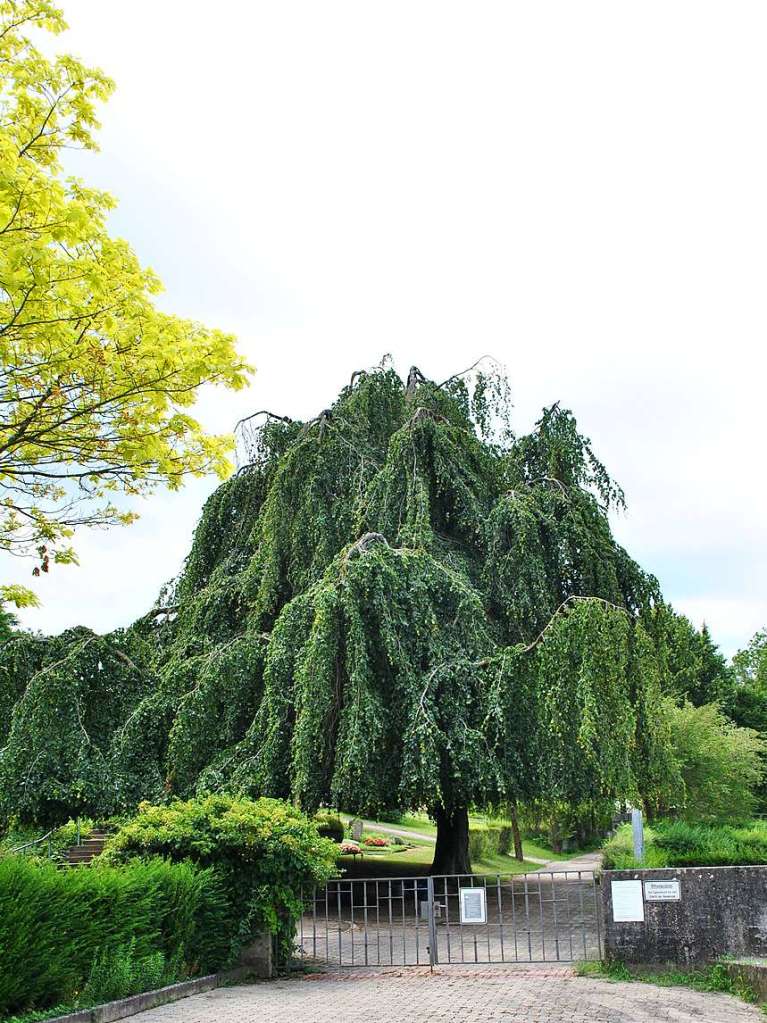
[420, 824]
[415, 861]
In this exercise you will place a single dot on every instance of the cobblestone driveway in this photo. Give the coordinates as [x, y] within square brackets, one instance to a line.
[510, 995]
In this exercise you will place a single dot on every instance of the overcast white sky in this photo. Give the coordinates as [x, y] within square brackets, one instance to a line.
[577, 188]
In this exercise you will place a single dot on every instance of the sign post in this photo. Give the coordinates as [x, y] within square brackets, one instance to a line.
[638, 833]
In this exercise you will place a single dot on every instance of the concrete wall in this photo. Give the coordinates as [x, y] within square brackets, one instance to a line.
[722, 910]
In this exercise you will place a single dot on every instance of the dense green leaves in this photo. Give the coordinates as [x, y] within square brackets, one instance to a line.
[55, 924]
[262, 852]
[397, 603]
[720, 764]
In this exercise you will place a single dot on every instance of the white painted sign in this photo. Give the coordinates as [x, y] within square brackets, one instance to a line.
[473, 905]
[628, 904]
[662, 891]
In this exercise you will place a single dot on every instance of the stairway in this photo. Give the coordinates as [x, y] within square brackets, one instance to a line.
[81, 855]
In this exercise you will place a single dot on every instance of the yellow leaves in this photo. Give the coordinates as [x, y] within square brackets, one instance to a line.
[95, 377]
[20, 596]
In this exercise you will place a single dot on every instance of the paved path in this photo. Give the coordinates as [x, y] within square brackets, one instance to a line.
[586, 863]
[375, 826]
[453, 995]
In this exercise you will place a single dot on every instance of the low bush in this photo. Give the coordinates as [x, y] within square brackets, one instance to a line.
[56, 926]
[679, 844]
[266, 853]
[329, 825]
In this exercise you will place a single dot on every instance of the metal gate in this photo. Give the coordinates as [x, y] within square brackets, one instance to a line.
[421, 921]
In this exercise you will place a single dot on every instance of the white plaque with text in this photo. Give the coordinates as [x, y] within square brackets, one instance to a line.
[628, 904]
[473, 905]
[662, 891]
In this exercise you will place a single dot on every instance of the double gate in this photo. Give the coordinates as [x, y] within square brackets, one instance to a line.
[422, 921]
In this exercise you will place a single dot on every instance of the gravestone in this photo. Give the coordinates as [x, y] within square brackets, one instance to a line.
[356, 829]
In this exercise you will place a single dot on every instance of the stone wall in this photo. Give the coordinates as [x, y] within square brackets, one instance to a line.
[721, 911]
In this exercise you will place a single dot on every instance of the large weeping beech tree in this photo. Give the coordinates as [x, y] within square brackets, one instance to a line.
[396, 604]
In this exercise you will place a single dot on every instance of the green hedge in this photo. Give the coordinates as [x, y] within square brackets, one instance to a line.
[58, 928]
[491, 841]
[265, 852]
[329, 825]
[677, 844]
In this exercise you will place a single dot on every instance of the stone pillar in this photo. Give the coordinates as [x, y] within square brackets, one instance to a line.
[257, 956]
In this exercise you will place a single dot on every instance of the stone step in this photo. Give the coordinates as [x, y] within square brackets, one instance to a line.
[90, 846]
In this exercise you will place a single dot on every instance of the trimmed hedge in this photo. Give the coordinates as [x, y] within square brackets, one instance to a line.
[56, 926]
[265, 852]
[491, 841]
[329, 825]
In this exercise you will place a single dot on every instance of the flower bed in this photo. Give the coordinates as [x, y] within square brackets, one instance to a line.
[375, 841]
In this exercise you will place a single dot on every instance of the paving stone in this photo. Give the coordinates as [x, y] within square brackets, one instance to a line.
[456, 994]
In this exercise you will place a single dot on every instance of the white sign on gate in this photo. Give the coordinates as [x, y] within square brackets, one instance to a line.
[473, 905]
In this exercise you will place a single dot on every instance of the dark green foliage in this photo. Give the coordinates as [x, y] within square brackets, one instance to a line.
[750, 665]
[81, 689]
[118, 973]
[484, 843]
[261, 852]
[21, 656]
[378, 681]
[57, 925]
[747, 704]
[397, 604]
[696, 670]
[329, 825]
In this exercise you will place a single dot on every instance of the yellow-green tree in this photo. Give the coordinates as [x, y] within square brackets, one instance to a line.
[95, 383]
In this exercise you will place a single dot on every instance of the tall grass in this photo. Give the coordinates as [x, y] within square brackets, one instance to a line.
[59, 929]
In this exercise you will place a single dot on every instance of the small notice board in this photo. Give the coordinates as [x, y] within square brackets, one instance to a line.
[473, 905]
[628, 904]
[662, 891]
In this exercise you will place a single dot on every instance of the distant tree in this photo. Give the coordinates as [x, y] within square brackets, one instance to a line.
[750, 665]
[721, 766]
[695, 669]
[748, 703]
[95, 382]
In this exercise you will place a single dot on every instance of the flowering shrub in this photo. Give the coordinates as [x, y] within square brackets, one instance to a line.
[375, 840]
[347, 848]
[263, 851]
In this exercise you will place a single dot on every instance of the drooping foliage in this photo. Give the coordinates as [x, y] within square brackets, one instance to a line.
[396, 603]
[81, 688]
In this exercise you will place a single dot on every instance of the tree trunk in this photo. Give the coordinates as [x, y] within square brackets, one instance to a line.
[451, 853]
[518, 852]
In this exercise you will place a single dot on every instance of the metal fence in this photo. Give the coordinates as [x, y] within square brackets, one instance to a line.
[422, 921]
